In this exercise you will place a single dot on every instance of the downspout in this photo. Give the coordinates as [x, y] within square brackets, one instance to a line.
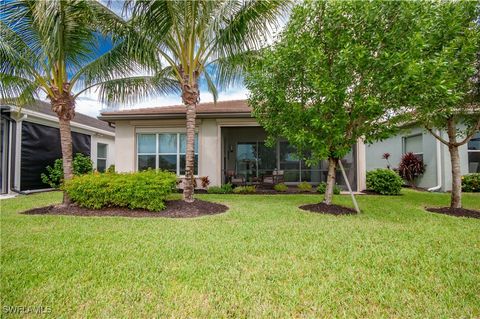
[439, 166]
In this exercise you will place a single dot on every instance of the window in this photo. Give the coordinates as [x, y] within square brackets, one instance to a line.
[101, 157]
[164, 151]
[414, 144]
[474, 154]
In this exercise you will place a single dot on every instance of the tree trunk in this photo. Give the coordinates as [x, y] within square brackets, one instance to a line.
[190, 97]
[64, 105]
[189, 188]
[332, 168]
[66, 143]
[456, 195]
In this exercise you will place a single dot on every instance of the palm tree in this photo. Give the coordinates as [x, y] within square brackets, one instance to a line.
[51, 48]
[204, 38]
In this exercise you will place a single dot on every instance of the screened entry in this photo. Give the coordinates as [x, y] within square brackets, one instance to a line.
[246, 155]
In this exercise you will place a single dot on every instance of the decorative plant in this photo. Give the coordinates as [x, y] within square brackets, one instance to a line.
[410, 168]
[384, 181]
[280, 187]
[245, 190]
[471, 183]
[54, 177]
[322, 187]
[205, 181]
[304, 186]
[386, 156]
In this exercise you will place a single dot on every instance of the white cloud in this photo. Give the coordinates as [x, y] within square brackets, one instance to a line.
[89, 104]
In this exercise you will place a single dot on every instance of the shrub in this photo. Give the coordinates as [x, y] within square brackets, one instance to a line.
[471, 183]
[322, 188]
[280, 187]
[305, 186]
[384, 181]
[82, 164]
[244, 190]
[111, 169]
[224, 189]
[410, 168]
[205, 181]
[144, 190]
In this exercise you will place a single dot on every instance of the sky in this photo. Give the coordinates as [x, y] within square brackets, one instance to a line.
[89, 104]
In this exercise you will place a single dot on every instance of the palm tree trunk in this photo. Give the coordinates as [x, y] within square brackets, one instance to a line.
[63, 105]
[332, 168]
[456, 195]
[189, 188]
[66, 143]
[190, 97]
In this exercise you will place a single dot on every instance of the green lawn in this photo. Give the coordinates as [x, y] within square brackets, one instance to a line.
[263, 258]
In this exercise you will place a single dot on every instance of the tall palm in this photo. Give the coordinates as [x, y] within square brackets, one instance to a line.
[203, 38]
[52, 48]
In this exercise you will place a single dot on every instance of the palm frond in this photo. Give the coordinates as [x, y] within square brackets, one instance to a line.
[137, 88]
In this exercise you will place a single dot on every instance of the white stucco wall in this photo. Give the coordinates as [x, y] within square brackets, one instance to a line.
[110, 141]
[394, 146]
[210, 144]
[124, 147]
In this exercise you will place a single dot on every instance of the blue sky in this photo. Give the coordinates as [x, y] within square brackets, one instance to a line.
[88, 102]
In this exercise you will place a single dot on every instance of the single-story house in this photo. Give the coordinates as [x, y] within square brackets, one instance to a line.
[229, 141]
[30, 141]
[435, 155]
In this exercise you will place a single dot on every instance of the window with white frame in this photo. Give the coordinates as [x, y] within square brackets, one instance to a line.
[413, 144]
[474, 154]
[164, 151]
[102, 151]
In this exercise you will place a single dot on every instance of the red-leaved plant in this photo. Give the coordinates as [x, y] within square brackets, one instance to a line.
[410, 168]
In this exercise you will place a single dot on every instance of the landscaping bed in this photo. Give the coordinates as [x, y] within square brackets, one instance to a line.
[174, 209]
[328, 209]
[458, 212]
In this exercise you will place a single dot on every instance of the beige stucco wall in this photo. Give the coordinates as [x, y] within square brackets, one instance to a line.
[210, 144]
[124, 146]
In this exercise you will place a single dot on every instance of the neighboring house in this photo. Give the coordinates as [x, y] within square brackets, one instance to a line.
[435, 155]
[30, 140]
[229, 141]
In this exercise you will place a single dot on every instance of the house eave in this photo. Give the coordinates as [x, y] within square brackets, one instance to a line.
[119, 117]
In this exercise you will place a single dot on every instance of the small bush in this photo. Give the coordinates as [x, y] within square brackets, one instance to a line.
[384, 181]
[245, 190]
[111, 169]
[144, 190]
[205, 181]
[82, 164]
[410, 168]
[305, 186]
[224, 189]
[471, 183]
[322, 188]
[280, 187]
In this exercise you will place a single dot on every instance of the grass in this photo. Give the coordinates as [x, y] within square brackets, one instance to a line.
[263, 258]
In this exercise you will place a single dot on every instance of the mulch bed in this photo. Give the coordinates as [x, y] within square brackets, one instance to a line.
[175, 209]
[328, 209]
[458, 212]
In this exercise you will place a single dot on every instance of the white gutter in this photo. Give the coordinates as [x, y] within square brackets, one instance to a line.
[439, 166]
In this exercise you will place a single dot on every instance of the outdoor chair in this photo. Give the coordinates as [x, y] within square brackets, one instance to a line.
[277, 177]
[234, 179]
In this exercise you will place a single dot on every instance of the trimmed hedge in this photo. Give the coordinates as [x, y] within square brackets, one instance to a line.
[471, 183]
[142, 190]
[224, 189]
[304, 186]
[384, 181]
[81, 165]
[245, 190]
[280, 187]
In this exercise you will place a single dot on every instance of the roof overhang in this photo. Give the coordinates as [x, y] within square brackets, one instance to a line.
[159, 116]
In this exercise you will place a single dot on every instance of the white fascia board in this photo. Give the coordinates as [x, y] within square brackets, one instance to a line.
[54, 119]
